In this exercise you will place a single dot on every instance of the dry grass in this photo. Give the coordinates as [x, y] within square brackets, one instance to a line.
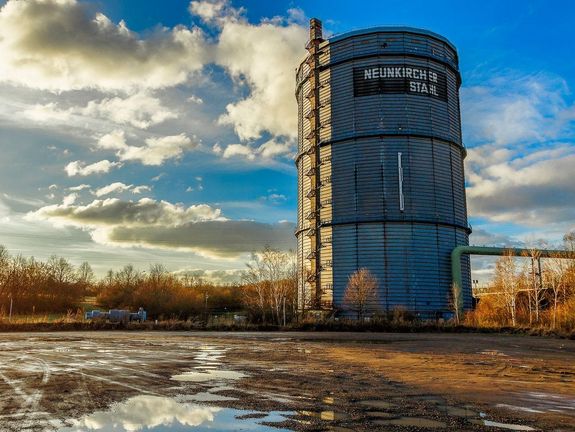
[71, 323]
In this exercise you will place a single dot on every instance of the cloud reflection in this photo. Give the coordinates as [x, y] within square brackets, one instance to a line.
[145, 412]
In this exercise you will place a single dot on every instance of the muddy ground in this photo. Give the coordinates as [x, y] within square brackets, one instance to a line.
[161, 381]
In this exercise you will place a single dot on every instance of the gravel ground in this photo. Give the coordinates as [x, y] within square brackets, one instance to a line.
[112, 381]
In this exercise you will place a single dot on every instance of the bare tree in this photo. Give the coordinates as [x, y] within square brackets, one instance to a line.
[85, 274]
[85, 277]
[271, 283]
[532, 283]
[556, 281]
[569, 241]
[61, 270]
[361, 292]
[507, 282]
[456, 301]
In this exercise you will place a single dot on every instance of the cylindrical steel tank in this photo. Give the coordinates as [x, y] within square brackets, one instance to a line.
[380, 168]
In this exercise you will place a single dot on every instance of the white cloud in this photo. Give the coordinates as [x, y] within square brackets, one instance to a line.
[81, 169]
[267, 150]
[264, 56]
[162, 225]
[158, 150]
[298, 16]
[79, 187]
[483, 237]
[214, 11]
[238, 150]
[520, 171]
[63, 45]
[139, 110]
[46, 113]
[217, 149]
[195, 99]
[113, 211]
[217, 277]
[277, 197]
[70, 199]
[273, 148]
[118, 187]
[536, 194]
[155, 152]
[112, 188]
[212, 238]
[511, 109]
[115, 140]
[141, 189]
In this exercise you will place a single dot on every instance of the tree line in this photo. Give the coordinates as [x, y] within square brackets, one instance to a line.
[530, 291]
[266, 292]
[28, 285]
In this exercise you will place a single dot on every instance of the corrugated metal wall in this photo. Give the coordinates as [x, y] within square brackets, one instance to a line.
[404, 237]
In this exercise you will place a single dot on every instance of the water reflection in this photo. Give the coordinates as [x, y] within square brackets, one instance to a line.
[416, 422]
[209, 359]
[509, 426]
[162, 414]
[209, 375]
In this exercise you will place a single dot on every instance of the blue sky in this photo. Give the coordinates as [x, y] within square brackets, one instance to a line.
[143, 131]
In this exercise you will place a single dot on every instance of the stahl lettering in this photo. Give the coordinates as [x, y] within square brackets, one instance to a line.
[396, 78]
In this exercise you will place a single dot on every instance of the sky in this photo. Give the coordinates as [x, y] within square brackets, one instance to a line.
[138, 131]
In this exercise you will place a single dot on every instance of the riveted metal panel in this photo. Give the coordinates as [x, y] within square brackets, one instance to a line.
[391, 179]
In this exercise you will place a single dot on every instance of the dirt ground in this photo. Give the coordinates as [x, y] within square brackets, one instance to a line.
[291, 381]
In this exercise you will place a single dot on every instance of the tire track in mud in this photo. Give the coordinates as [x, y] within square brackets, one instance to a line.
[28, 389]
[34, 399]
[28, 414]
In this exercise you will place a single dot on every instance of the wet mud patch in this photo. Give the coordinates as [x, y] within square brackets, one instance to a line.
[290, 383]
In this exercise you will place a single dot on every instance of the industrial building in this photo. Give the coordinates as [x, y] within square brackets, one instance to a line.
[380, 168]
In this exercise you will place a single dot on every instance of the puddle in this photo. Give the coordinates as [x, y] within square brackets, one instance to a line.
[380, 415]
[457, 411]
[520, 408]
[493, 353]
[539, 402]
[507, 426]
[412, 422]
[325, 415]
[377, 404]
[436, 400]
[162, 414]
[209, 375]
[207, 397]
